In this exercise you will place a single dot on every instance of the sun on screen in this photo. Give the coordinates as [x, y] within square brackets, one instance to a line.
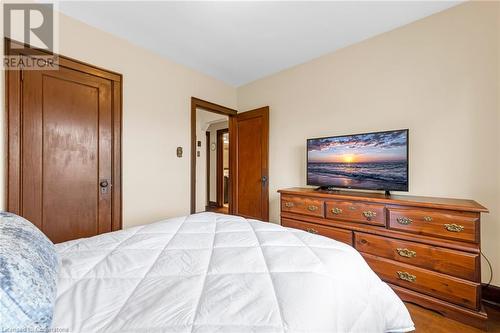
[348, 158]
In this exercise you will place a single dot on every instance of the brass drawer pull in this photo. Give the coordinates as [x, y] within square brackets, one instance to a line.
[369, 214]
[336, 211]
[312, 208]
[404, 220]
[454, 227]
[406, 253]
[427, 218]
[312, 231]
[406, 276]
[289, 204]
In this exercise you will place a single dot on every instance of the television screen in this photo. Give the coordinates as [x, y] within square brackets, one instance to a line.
[373, 161]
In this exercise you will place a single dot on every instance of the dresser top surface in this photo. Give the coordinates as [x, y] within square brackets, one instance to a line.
[420, 201]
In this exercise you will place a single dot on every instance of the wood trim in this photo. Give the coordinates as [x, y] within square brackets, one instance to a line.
[211, 107]
[193, 157]
[117, 196]
[13, 95]
[233, 165]
[207, 147]
[218, 178]
[13, 106]
[220, 167]
[265, 154]
[491, 294]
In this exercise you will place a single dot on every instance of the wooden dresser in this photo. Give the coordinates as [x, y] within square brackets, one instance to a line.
[426, 249]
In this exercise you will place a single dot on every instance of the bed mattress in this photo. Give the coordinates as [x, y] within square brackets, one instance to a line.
[220, 273]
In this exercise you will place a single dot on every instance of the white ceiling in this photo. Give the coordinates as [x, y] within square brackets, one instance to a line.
[238, 42]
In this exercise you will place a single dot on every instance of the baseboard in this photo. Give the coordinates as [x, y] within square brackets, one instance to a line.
[491, 294]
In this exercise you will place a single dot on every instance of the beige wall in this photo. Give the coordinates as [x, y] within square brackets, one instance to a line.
[437, 76]
[156, 119]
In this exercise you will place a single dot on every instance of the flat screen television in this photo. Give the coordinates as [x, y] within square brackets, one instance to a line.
[369, 161]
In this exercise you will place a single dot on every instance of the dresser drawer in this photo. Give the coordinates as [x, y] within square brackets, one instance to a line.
[461, 226]
[356, 212]
[448, 288]
[341, 235]
[460, 264]
[302, 205]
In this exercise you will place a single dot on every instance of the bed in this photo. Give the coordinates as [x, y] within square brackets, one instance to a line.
[210, 272]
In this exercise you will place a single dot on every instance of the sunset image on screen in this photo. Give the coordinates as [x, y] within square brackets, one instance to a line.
[348, 158]
[371, 161]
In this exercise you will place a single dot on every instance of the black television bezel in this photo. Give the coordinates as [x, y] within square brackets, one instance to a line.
[363, 188]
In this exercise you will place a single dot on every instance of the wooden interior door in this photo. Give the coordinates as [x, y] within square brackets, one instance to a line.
[250, 135]
[63, 170]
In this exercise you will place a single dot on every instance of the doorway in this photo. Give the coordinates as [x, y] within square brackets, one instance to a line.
[64, 148]
[210, 180]
[247, 183]
[212, 157]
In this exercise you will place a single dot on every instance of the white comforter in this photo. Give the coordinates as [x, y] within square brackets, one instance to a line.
[219, 273]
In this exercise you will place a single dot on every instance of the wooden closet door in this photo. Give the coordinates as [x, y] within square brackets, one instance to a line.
[66, 158]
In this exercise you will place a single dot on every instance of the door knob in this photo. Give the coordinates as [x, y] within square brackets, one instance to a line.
[104, 186]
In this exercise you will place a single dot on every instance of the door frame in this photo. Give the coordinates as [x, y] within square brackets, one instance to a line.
[197, 103]
[13, 109]
[219, 168]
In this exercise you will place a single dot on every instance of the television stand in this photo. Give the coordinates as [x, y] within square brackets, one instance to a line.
[327, 189]
[426, 249]
[331, 189]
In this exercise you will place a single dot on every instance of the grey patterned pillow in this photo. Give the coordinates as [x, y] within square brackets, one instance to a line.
[28, 275]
